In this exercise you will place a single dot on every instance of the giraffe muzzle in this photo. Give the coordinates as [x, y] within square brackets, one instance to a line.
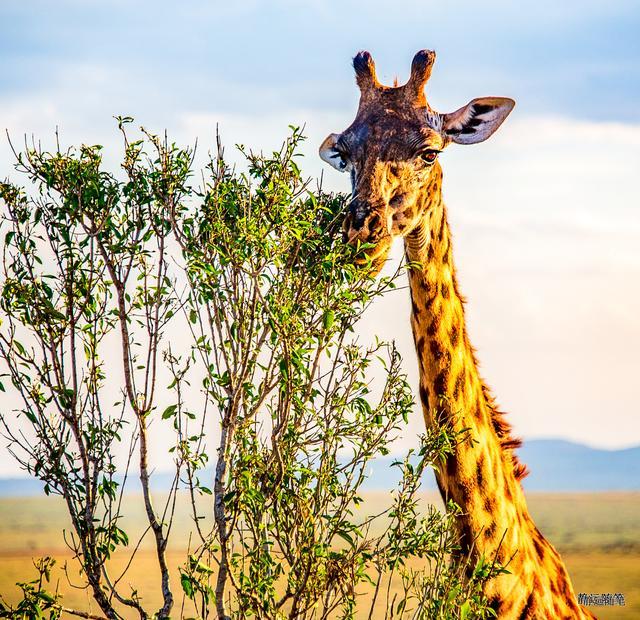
[358, 212]
[366, 226]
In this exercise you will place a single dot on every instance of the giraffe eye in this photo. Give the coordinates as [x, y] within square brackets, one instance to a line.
[428, 155]
[340, 158]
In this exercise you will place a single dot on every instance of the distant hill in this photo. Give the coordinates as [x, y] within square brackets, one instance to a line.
[558, 465]
[554, 465]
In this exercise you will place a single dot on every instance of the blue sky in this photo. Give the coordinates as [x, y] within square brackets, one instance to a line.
[546, 215]
[573, 58]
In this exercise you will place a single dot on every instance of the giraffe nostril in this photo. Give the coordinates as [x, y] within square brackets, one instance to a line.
[358, 214]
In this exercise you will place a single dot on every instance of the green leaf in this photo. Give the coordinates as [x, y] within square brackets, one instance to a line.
[169, 411]
[328, 318]
[346, 536]
[465, 609]
[187, 586]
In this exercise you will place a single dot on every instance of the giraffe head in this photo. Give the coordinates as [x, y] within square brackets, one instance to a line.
[391, 151]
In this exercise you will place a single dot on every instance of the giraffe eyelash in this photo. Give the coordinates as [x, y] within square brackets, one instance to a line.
[343, 162]
[429, 156]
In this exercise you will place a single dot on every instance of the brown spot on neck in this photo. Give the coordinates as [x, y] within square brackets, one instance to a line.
[480, 475]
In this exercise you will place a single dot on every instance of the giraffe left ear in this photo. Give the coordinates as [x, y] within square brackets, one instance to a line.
[478, 120]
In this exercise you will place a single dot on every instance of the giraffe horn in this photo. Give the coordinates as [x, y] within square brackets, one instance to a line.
[365, 71]
[420, 70]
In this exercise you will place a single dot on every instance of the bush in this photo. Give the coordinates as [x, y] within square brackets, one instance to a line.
[232, 307]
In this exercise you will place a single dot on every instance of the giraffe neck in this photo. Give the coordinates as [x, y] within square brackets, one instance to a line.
[482, 475]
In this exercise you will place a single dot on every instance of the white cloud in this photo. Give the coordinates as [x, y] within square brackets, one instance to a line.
[546, 220]
[546, 224]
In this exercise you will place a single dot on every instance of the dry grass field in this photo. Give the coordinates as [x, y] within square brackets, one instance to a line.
[598, 534]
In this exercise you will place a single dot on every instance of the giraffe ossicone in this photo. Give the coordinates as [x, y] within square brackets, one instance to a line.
[391, 151]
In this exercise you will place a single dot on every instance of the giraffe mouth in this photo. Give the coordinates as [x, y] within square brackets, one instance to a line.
[377, 258]
[375, 243]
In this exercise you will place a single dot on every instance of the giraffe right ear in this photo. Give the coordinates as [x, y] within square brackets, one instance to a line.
[330, 153]
[477, 120]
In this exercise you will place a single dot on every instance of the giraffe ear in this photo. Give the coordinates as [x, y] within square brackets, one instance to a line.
[330, 153]
[478, 120]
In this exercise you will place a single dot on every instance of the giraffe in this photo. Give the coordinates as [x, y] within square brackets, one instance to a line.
[391, 153]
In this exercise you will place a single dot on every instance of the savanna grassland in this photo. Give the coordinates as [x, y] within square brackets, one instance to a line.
[597, 533]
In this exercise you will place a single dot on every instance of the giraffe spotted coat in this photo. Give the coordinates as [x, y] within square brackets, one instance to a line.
[391, 153]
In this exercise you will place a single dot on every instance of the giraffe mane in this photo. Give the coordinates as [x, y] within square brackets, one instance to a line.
[501, 426]
[503, 429]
